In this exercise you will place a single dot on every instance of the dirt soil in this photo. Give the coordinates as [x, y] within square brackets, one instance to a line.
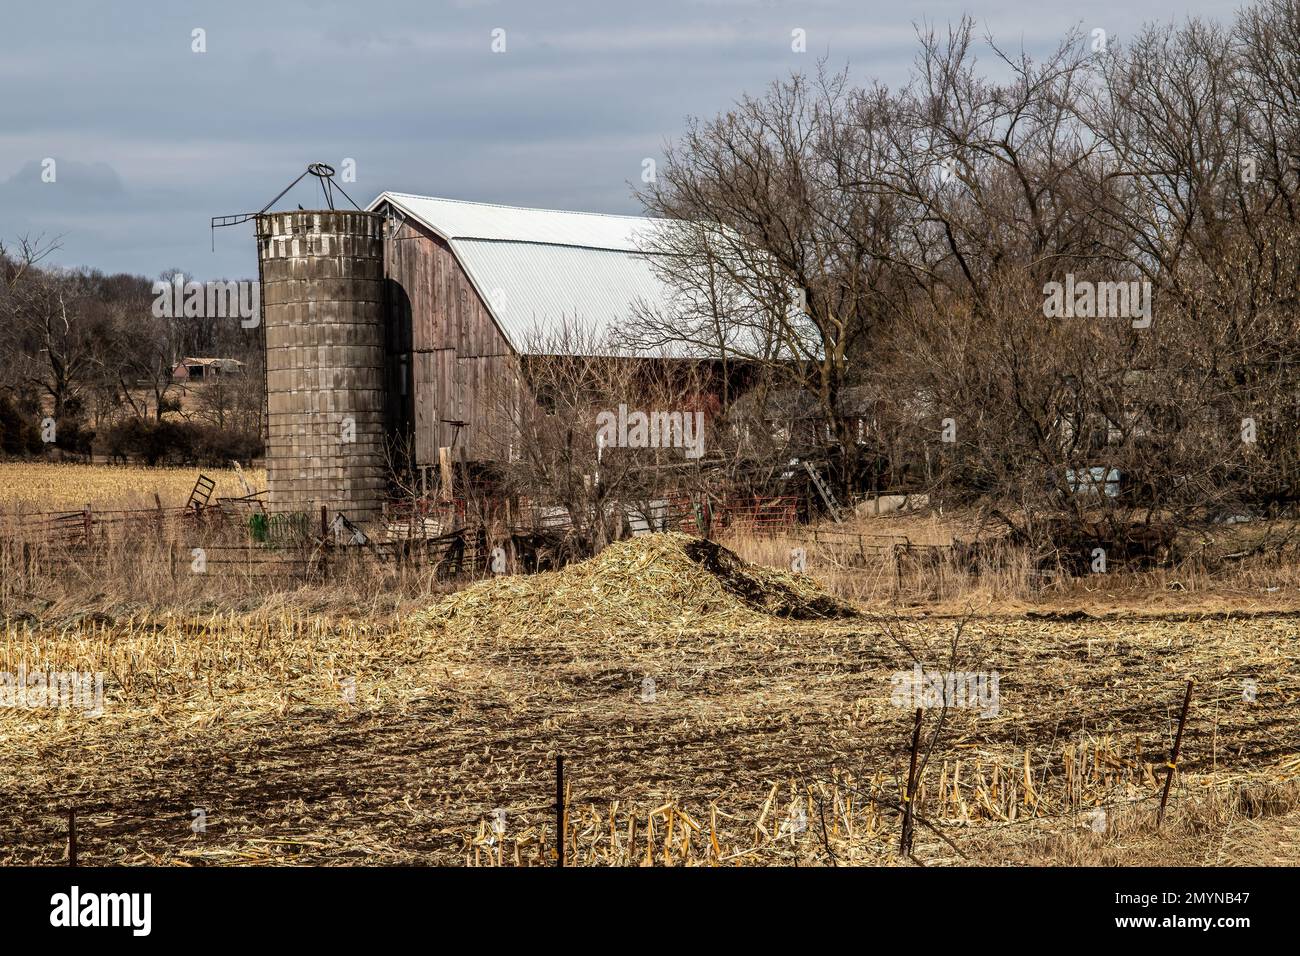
[383, 742]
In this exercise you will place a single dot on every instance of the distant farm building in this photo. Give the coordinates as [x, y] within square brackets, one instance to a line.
[201, 369]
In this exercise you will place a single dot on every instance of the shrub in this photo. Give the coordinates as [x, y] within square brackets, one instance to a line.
[180, 443]
[19, 434]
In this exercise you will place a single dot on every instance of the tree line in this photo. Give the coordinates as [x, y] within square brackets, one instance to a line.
[86, 368]
[1062, 289]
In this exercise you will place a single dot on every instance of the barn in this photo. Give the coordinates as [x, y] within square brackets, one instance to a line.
[471, 286]
[407, 320]
[191, 369]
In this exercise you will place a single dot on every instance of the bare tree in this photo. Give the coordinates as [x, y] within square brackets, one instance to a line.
[933, 224]
[774, 258]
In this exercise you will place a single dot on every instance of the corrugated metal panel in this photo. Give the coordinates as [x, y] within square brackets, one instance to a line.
[539, 291]
[456, 219]
[543, 271]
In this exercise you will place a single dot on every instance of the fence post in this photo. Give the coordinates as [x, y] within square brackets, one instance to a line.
[72, 836]
[559, 810]
[1173, 760]
[905, 842]
[87, 522]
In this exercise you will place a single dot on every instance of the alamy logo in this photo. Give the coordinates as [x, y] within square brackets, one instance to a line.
[932, 689]
[179, 299]
[626, 429]
[1084, 299]
[75, 690]
[103, 909]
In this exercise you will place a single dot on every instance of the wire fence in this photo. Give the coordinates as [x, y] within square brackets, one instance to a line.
[457, 537]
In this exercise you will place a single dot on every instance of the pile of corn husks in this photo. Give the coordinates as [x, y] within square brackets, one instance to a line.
[658, 579]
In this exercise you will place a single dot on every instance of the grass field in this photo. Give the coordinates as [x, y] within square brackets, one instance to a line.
[47, 486]
[334, 738]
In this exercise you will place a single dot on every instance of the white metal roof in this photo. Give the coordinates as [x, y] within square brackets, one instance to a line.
[457, 219]
[537, 289]
[544, 270]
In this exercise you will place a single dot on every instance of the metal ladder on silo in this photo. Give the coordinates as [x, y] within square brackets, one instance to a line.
[824, 490]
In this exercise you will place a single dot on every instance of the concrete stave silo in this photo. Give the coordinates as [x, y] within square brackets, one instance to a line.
[324, 317]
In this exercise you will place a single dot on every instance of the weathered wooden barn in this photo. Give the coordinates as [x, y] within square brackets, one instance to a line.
[412, 325]
[472, 287]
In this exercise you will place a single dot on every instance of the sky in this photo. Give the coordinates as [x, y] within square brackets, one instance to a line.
[150, 139]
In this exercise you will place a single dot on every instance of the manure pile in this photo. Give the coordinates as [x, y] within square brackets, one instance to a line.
[670, 580]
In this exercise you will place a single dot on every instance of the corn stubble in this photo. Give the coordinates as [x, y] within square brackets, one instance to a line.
[770, 738]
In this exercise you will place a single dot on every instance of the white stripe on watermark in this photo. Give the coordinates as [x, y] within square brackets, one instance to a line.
[75, 690]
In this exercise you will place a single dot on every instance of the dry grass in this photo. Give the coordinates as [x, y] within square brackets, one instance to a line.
[27, 487]
[136, 567]
[358, 712]
[863, 569]
[143, 563]
[334, 738]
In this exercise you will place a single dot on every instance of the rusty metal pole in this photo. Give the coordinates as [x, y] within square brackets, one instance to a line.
[1172, 766]
[909, 794]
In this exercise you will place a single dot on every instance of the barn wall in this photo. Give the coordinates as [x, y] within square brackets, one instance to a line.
[446, 345]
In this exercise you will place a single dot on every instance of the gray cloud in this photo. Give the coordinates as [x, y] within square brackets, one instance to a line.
[153, 139]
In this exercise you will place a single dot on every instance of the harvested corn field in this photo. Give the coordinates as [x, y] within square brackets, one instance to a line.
[35, 487]
[709, 713]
